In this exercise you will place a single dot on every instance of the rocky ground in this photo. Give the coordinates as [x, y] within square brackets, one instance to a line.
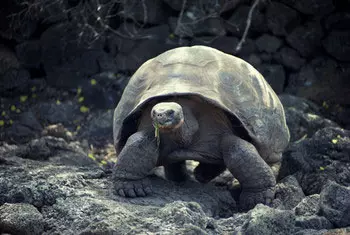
[55, 183]
[62, 74]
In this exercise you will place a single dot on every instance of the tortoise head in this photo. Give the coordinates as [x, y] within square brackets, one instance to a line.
[167, 116]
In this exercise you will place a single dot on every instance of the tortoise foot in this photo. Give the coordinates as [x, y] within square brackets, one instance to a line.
[133, 188]
[250, 198]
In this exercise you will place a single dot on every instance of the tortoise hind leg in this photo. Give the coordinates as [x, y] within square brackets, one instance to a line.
[205, 172]
[176, 171]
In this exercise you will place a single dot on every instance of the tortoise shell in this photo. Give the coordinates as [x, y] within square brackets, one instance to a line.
[219, 78]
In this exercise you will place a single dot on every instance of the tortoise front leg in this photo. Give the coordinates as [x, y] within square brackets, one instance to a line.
[253, 173]
[136, 160]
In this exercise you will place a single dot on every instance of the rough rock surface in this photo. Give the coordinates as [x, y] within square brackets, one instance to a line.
[280, 18]
[303, 117]
[20, 218]
[236, 23]
[306, 39]
[310, 205]
[29, 53]
[268, 43]
[135, 10]
[313, 81]
[288, 193]
[325, 156]
[55, 178]
[336, 45]
[313, 222]
[310, 7]
[265, 220]
[335, 204]
[289, 58]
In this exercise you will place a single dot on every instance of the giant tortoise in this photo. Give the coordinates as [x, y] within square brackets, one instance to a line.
[198, 103]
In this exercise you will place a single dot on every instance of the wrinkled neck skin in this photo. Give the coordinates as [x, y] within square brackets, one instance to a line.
[182, 135]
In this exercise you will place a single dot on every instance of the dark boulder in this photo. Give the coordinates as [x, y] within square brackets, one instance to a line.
[21, 218]
[289, 193]
[236, 24]
[52, 112]
[147, 12]
[139, 45]
[308, 206]
[281, 19]
[303, 117]
[306, 39]
[99, 127]
[310, 7]
[335, 204]
[29, 54]
[325, 156]
[268, 43]
[289, 58]
[337, 21]
[322, 80]
[336, 44]
[313, 222]
[25, 128]
[208, 5]
[265, 220]
[192, 25]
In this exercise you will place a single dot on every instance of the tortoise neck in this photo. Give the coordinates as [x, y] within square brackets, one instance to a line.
[184, 134]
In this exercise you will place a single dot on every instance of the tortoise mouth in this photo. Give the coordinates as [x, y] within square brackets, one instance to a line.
[168, 126]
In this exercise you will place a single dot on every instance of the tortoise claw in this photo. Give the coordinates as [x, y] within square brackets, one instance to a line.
[133, 188]
[249, 199]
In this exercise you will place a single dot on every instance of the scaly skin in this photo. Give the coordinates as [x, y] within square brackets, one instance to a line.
[138, 157]
[253, 173]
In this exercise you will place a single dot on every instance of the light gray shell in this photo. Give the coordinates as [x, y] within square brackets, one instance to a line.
[222, 79]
